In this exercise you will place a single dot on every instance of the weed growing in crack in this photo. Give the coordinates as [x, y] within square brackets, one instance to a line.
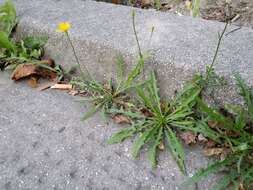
[234, 129]
[106, 96]
[158, 121]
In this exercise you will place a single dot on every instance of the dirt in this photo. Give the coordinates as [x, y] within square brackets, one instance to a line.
[240, 12]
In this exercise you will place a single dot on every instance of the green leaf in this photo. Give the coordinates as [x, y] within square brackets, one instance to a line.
[245, 93]
[5, 42]
[176, 149]
[226, 180]
[91, 112]
[215, 115]
[240, 121]
[153, 149]
[196, 7]
[200, 127]
[133, 115]
[121, 135]
[135, 72]
[35, 42]
[149, 133]
[7, 17]
[212, 168]
[154, 91]
[146, 100]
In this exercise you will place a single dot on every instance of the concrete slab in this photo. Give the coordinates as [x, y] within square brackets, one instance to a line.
[45, 146]
[180, 45]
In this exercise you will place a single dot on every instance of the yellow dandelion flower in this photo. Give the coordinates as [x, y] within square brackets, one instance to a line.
[63, 27]
[188, 5]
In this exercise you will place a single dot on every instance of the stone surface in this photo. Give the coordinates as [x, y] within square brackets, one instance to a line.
[45, 146]
[180, 45]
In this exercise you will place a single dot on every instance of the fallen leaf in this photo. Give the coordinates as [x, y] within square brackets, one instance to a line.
[161, 146]
[201, 138]
[33, 82]
[73, 92]
[121, 119]
[210, 143]
[241, 187]
[62, 86]
[213, 151]
[146, 112]
[212, 124]
[45, 86]
[188, 137]
[146, 3]
[28, 69]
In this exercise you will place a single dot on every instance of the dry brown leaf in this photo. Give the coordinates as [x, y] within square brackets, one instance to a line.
[213, 151]
[33, 82]
[73, 92]
[146, 3]
[28, 69]
[23, 70]
[212, 124]
[62, 86]
[161, 146]
[121, 119]
[146, 112]
[201, 138]
[188, 137]
[210, 143]
[45, 86]
[241, 187]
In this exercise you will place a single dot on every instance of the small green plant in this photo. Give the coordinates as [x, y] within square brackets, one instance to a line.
[11, 52]
[235, 133]
[112, 94]
[161, 121]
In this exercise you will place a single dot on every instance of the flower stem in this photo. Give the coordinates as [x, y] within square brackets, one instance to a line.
[77, 60]
[216, 52]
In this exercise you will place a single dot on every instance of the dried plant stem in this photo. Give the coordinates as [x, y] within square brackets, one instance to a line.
[76, 58]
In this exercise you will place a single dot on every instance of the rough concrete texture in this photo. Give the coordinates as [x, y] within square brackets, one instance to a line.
[45, 146]
[180, 45]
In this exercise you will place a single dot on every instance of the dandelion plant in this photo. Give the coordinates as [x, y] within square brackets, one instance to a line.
[235, 133]
[158, 121]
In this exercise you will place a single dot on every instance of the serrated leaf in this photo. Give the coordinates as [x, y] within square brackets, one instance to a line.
[134, 73]
[149, 133]
[121, 135]
[176, 149]
[146, 100]
[215, 115]
[154, 91]
[91, 112]
[153, 149]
